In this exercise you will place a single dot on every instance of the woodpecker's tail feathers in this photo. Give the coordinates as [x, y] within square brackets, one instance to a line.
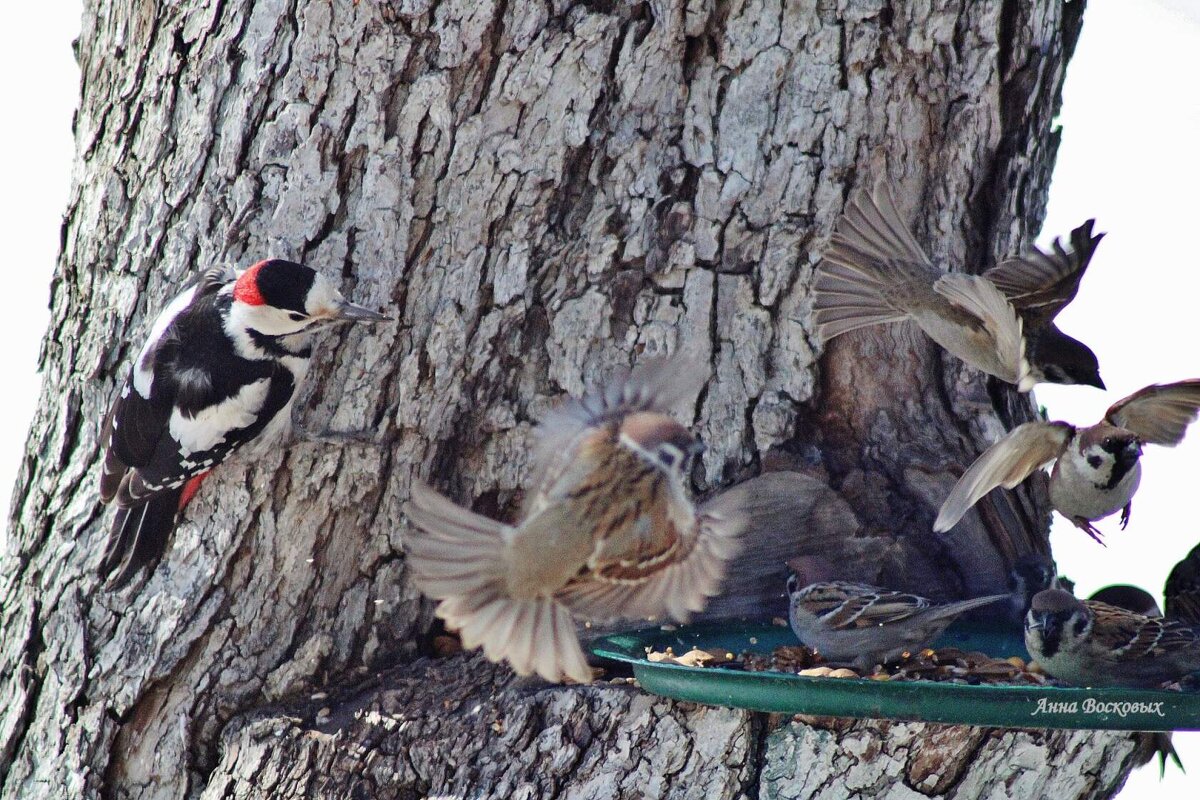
[139, 537]
[112, 472]
[871, 252]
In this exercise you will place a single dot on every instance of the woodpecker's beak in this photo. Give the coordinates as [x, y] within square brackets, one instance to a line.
[348, 312]
[1096, 381]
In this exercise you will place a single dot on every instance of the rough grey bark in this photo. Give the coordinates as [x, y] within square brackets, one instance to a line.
[542, 191]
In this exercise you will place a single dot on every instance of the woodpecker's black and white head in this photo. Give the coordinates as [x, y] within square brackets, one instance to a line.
[282, 298]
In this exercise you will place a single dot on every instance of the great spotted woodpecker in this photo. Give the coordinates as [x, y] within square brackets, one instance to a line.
[220, 368]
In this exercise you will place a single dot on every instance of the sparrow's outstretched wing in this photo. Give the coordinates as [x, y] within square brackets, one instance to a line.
[982, 300]
[1040, 284]
[1006, 463]
[1159, 413]
[659, 384]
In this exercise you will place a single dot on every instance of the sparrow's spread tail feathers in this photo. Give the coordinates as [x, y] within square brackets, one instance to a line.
[871, 252]
[458, 558]
[139, 536]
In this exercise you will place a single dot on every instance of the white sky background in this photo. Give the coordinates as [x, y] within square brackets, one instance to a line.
[1130, 157]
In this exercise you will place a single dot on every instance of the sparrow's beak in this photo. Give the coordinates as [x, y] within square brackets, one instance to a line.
[1130, 455]
[348, 312]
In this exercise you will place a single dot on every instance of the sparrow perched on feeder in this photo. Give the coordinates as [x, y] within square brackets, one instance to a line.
[874, 272]
[1096, 469]
[867, 625]
[1182, 590]
[1030, 574]
[1089, 643]
[608, 531]
[1139, 601]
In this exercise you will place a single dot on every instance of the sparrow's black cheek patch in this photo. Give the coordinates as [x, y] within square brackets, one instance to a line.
[1095, 461]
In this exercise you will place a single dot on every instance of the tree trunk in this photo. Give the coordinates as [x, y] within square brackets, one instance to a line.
[542, 192]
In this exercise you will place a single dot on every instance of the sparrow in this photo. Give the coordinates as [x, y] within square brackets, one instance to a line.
[1182, 590]
[608, 530]
[1030, 574]
[1129, 597]
[874, 272]
[1139, 601]
[1089, 643]
[218, 370]
[866, 625]
[1096, 469]
[1039, 285]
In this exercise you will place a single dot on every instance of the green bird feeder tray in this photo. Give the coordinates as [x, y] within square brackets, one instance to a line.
[989, 705]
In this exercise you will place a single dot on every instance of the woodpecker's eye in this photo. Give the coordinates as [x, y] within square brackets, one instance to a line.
[296, 316]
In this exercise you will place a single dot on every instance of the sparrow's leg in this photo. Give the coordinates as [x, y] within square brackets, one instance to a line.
[1125, 514]
[1091, 530]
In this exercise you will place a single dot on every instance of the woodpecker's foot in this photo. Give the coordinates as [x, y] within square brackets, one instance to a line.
[1125, 514]
[1091, 530]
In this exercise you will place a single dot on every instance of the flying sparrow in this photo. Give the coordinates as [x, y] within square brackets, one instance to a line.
[1182, 590]
[1039, 285]
[1089, 643]
[608, 531]
[867, 625]
[1096, 469]
[875, 272]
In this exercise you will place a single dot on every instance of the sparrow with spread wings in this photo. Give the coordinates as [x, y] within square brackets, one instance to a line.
[874, 272]
[1096, 469]
[608, 531]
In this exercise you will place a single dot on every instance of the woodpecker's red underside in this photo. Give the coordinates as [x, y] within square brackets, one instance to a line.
[190, 488]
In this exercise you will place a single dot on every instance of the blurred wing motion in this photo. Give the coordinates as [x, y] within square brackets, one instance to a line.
[1159, 413]
[1041, 284]
[659, 384]
[460, 559]
[1006, 463]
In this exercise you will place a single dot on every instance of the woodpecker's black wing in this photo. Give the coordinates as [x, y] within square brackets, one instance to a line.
[134, 433]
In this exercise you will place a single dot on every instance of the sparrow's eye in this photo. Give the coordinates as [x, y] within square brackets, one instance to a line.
[669, 455]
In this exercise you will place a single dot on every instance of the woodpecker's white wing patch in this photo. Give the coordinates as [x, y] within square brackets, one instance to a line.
[143, 368]
[211, 425]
